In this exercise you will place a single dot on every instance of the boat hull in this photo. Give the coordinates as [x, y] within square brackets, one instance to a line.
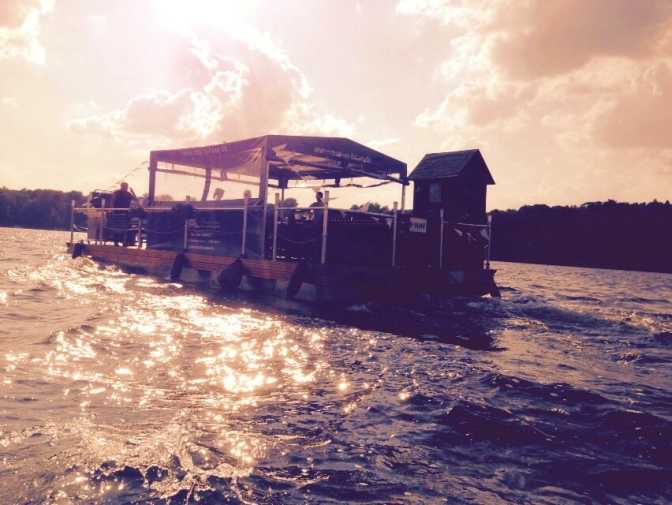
[329, 283]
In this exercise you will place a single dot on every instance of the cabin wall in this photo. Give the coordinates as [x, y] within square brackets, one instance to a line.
[462, 199]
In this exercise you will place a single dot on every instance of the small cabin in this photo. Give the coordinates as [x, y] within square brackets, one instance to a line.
[454, 181]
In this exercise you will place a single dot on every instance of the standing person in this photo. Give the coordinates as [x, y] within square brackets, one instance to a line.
[319, 202]
[318, 218]
[119, 220]
[123, 197]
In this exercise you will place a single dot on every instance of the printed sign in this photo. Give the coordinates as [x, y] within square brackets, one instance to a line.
[418, 225]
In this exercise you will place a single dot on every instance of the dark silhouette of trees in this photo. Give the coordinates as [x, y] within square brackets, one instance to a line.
[37, 208]
[629, 236]
[372, 207]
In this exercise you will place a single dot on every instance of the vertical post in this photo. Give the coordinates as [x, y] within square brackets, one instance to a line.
[275, 225]
[489, 252]
[103, 225]
[244, 242]
[139, 233]
[99, 227]
[325, 222]
[282, 194]
[263, 194]
[152, 180]
[394, 235]
[441, 240]
[186, 234]
[72, 222]
[403, 197]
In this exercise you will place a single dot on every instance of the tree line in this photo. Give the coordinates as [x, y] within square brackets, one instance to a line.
[630, 236]
[37, 208]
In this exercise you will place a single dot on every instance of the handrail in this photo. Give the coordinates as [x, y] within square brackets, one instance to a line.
[103, 210]
[467, 224]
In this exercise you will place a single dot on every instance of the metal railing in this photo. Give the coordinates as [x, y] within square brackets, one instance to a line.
[487, 227]
[279, 213]
[139, 225]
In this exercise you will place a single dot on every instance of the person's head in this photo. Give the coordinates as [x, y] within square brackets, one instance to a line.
[247, 194]
[219, 194]
[318, 196]
[124, 186]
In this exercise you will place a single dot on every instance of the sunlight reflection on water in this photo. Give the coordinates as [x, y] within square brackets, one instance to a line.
[121, 388]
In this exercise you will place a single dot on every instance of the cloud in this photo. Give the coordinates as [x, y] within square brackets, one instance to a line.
[9, 101]
[642, 117]
[550, 37]
[20, 29]
[302, 118]
[527, 60]
[256, 93]
[572, 97]
[449, 12]
[186, 115]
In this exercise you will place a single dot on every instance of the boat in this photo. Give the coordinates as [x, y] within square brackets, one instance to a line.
[438, 249]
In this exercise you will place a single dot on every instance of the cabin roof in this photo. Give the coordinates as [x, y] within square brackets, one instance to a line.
[451, 164]
[288, 157]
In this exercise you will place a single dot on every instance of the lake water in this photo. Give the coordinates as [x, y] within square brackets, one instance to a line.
[119, 388]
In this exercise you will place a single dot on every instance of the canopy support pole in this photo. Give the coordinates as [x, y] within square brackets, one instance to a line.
[72, 223]
[403, 197]
[139, 233]
[206, 185]
[275, 226]
[263, 194]
[394, 235]
[325, 223]
[487, 258]
[244, 239]
[441, 240]
[152, 180]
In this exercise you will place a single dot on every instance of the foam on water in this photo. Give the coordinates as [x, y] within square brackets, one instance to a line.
[118, 388]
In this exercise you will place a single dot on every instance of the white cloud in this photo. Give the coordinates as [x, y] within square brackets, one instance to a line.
[9, 101]
[261, 94]
[20, 29]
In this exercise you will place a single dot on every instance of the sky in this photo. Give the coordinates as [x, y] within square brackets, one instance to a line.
[569, 101]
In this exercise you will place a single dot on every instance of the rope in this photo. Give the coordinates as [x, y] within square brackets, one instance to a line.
[116, 183]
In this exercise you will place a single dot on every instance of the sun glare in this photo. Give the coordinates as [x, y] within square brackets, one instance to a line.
[185, 16]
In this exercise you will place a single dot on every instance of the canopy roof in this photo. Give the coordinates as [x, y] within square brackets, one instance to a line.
[288, 157]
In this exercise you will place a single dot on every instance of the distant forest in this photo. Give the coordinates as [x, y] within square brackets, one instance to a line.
[629, 236]
[37, 208]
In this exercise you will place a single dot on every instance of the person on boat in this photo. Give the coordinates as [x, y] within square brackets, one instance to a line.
[119, 220]
[123, 197]
[319, 202]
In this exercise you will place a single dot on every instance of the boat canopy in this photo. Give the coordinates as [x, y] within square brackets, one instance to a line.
[283, 158]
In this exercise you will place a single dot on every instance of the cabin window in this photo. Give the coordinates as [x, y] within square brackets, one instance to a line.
[435, 192]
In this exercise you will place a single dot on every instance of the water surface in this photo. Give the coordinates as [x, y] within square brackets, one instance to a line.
[119, 388]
